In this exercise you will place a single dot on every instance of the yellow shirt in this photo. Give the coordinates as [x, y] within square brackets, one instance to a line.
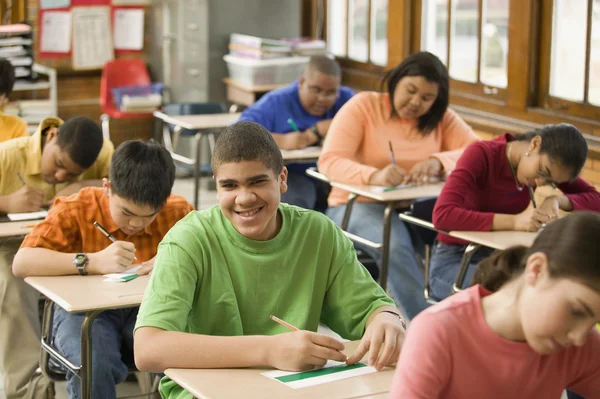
[12, 127]
[24, 156]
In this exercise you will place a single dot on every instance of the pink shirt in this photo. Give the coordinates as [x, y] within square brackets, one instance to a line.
[358, 139]
[450, 352]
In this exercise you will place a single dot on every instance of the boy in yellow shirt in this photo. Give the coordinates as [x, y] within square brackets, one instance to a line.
[58, 160]
[11, 126]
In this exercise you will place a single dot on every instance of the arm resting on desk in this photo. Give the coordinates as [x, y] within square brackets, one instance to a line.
[157, 350]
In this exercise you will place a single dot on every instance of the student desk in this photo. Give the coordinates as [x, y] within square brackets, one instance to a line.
[16, 229]
[491, 239]
[249, 383]
[243, 94]
[89, 294]
[308, 154]
[193, 122]
[391, 198]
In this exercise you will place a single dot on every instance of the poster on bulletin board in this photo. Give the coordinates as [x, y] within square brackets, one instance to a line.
[92, 47]
[128, 29]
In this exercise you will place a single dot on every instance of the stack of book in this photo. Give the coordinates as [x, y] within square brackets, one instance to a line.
[305, 46]
[258, 48]
[16, 45]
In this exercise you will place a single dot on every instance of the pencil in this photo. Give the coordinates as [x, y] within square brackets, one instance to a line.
[21, 178]
[392, 152]
[107, 234]
[284, 323]
[291, 122]
[532, 197]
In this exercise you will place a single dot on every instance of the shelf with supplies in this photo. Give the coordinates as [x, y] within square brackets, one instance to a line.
[34, 111]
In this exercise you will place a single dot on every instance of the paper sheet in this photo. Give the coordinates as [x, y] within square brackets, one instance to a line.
[92, 47]
[15, 217]
[332, 371]
[46, 4]
[118, 277]
[56, 32]
[129, 29]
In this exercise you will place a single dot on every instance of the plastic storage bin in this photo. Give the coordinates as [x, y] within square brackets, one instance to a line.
[265, 72]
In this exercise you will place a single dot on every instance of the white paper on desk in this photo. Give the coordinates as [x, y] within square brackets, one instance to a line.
[56, 32]
[303, 150]
[129, 29]
[15, 217]
[307, 381]
[92, 47]
[116, 277]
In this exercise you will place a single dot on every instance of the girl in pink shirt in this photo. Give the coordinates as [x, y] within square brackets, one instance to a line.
[526, 332]
[427, 139]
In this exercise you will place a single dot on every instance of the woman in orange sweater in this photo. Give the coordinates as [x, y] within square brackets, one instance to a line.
[427, 139]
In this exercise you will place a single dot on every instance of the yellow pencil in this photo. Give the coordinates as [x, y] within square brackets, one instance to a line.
[284, 323]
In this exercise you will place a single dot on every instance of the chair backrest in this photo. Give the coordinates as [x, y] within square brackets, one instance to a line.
[119, 73]
[422, 208]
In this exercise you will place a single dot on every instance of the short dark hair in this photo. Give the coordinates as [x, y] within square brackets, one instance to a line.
[563, 143]
[570, 245]
[323, 64]
[7, 77]
[247, 141]
[81, 138]
[142, 172]
[431, 68]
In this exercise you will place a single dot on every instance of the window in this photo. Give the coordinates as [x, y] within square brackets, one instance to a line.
[470, 37]
[357, 30]
[574, 76]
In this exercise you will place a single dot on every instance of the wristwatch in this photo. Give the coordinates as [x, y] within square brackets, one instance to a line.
[315, 130]
[80, 261]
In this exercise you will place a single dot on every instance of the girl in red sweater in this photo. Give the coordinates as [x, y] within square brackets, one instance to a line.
[532, 337]
[491, 189]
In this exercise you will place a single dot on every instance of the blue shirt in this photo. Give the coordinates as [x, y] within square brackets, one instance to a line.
[274, 109]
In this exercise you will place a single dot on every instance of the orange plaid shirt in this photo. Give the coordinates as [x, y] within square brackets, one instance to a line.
[69, 225]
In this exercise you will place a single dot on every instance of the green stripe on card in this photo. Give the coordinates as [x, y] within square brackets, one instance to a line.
[319, 372]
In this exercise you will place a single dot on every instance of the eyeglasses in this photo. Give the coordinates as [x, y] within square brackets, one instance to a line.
[544, 173]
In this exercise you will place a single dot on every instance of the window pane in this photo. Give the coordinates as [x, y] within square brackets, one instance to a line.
[567, 65]
[494, 42]
[464, 40]
[336, 27]
[434, 25]
[357, 30]
[594, 84]
[379, 11]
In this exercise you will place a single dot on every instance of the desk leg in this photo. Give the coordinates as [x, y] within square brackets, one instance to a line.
[351, 199]
[175, 140]
[464, 267]
[385, 250]
[86, 354]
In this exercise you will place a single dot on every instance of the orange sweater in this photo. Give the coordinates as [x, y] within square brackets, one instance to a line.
[357, 142]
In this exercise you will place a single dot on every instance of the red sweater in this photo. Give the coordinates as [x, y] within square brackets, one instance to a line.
[482, 184]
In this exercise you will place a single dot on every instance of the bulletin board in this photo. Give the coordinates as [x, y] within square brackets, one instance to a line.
[88, 33]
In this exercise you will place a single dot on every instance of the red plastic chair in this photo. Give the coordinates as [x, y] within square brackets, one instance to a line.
[118, 73]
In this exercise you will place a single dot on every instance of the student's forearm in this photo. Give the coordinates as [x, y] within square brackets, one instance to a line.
[564, 203]
[157, 350]
[42, 262]
[381, 309]
[503, 221]
[280, 140]
[4, 203]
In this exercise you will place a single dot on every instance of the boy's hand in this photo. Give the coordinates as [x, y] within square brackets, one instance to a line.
[390, 176]
[295, 141]
[383, 340]
[25, 199]
[302, 350]
[113, 259]
[147, 267]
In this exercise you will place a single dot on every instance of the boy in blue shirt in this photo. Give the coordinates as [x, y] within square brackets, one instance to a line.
[311, 102]
[220, 273]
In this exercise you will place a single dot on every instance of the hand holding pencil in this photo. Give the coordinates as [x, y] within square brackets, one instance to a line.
[115, 258]
[25, 199]
[300, 350]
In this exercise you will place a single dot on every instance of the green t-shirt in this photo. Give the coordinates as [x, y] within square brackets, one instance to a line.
[209, 279]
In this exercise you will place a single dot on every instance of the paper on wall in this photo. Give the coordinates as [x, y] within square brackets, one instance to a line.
[129, 29]
[56, 32]
[92, 46]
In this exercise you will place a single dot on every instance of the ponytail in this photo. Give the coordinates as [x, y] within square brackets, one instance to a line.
[500, 267]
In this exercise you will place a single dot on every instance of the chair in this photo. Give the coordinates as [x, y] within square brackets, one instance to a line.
[119, 73]
[422, 210]
[176, 132]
